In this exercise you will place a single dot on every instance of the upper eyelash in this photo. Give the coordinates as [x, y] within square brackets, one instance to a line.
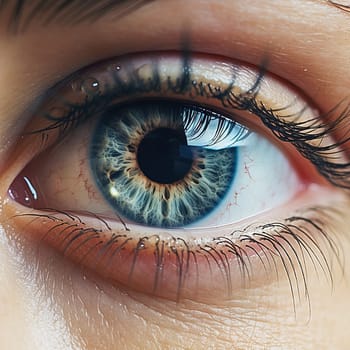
[300, 134]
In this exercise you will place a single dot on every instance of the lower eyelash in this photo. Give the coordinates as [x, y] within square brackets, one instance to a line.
[290, 244]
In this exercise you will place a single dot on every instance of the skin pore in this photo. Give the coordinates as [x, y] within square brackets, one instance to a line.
[50, 302]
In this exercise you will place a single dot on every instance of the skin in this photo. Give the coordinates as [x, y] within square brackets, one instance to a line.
[49, 302]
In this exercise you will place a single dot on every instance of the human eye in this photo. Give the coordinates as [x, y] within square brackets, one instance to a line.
[171, 172]
[259, 86]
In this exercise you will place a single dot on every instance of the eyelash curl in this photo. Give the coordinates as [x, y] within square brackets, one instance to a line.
[267, 241]
[306, 135]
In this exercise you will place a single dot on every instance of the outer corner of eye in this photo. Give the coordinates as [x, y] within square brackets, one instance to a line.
[149, 179]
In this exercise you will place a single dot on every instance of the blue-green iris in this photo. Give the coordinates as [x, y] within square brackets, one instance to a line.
[157, 163]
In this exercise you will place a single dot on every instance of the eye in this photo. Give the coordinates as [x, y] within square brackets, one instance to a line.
[139, 166]
[162, 164]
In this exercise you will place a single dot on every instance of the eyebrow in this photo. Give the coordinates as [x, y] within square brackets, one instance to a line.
[344, 7]
[22, 13]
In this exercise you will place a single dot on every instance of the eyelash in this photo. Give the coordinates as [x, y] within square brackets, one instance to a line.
[300, 134]
[268, 236]
[267, 241]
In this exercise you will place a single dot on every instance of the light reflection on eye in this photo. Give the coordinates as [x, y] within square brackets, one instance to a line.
[150, 144]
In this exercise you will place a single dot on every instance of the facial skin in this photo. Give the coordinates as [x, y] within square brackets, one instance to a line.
[49, 302]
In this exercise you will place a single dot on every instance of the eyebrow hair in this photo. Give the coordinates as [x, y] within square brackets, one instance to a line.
[64, 12]
[340, 6]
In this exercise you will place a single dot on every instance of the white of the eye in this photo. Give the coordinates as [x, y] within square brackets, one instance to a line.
[206, 137]
[264, 180]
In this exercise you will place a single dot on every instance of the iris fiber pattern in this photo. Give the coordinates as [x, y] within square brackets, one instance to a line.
[156, 164]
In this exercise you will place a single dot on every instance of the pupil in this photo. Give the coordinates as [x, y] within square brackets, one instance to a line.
[163, 155]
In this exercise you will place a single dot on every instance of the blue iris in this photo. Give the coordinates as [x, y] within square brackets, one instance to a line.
[164, 164]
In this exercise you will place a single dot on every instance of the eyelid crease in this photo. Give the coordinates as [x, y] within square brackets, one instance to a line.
[311, 136]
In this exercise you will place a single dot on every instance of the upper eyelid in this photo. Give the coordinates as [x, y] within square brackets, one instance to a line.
[278, 67]
[309, 136]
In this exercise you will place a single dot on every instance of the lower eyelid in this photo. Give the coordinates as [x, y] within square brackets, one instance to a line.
[168, 265]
